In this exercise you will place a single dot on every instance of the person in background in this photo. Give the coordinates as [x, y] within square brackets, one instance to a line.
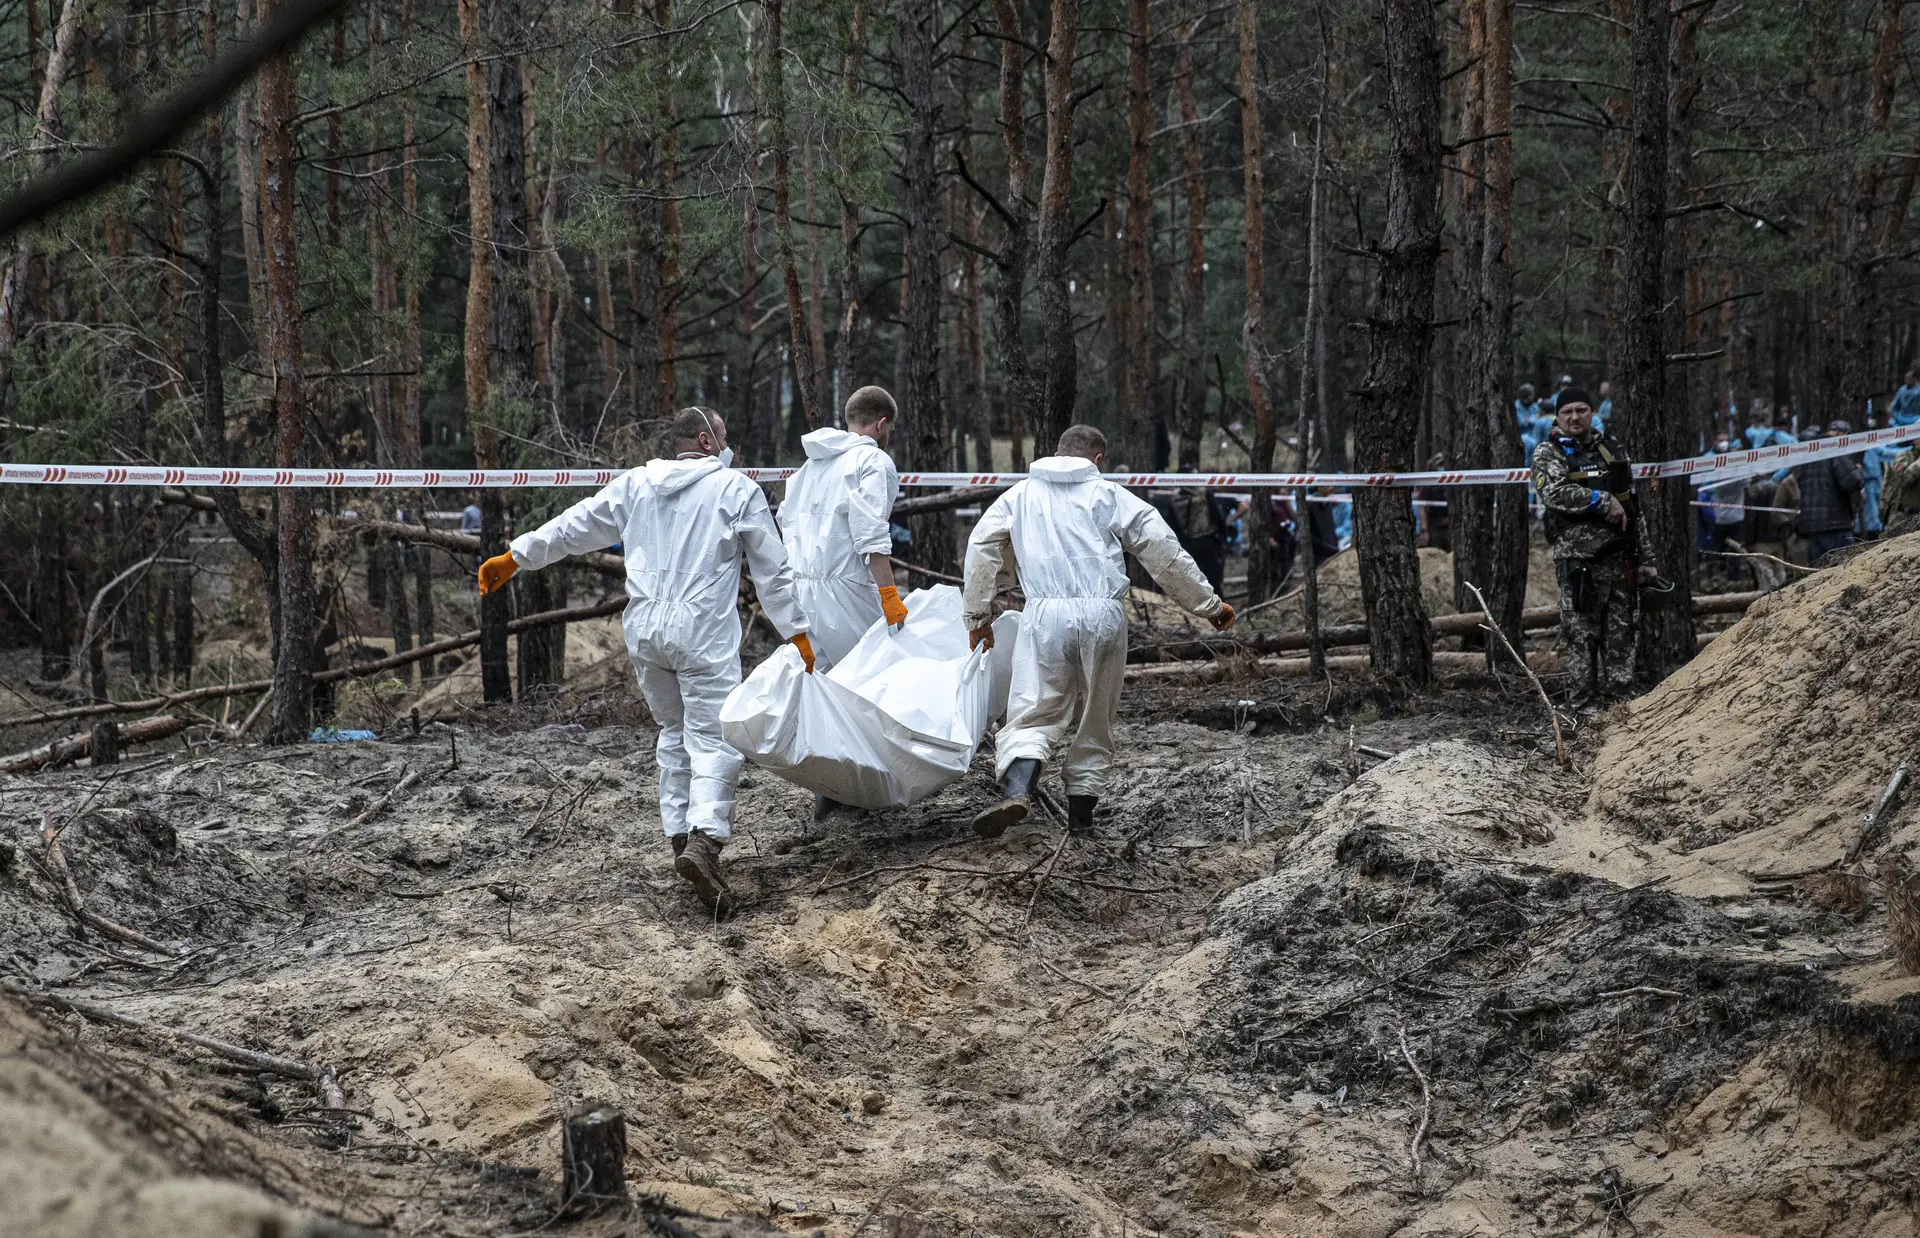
[1526, 406]
[1196, 518]
[1904, 408]
[1728, 512]
[1553, 402]
[1828, 490]
[1601, 551]
[470, 522]
[1605, 410]
[1873, 471]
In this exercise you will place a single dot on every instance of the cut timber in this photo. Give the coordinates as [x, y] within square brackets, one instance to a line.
[73, 747]
[593, 1161]
[949, 500]
[358, 670]
[1533, 618]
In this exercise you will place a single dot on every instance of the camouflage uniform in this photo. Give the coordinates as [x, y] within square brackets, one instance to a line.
[1593, 559]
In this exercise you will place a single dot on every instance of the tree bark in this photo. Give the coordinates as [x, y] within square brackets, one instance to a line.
[774, 75]
[1863, 257]
[1055, 231]
[1193, 308]
[1139, 354]
[45, 138]
[1024, 389]
[849, 297]
[1511, 520]
[1253, 320]
[923, 420]
[294, 651]
[1400, 342]
[666, 168]
[496, 678]
[1652, 433]
[593, 1156]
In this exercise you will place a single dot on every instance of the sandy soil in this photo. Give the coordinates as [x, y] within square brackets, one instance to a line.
[1284, 988]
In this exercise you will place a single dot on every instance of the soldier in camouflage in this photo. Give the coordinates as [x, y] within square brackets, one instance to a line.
[1601, 552]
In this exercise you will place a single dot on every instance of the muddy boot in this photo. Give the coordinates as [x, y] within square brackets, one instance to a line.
[699, 863]
[1080, 813]
[678, 842]
[992, 822]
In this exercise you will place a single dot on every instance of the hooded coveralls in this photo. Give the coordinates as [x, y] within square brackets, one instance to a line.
[835, 515]
[1066, 529]
[685, 526]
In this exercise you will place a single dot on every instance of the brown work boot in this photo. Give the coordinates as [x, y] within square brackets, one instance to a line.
[699, 863]
[996, 819]
[678, 842]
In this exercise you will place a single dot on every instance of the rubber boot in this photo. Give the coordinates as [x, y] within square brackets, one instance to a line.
[699, 863]
[678, 842]
[993, 821]
[1080, 813]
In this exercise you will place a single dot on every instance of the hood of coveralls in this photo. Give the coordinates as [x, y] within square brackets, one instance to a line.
[828, 442]
[667, 476]
[1063, 470]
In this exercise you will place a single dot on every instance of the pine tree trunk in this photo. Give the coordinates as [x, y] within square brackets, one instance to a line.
[1652, 433]
[51, 591]
[667, 168]
[1139, 356]
[496, 677]
[1059, 390]
[1400, 343]
[807, 382]
[1253, 321]
[1511, 520]
[1193, 306]
[1024, 389]
[923, 419]
[294, 654]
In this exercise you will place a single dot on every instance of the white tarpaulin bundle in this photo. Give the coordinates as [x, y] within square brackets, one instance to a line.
[898, 718]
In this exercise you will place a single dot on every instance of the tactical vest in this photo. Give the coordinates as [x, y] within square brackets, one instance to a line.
[1598, 464]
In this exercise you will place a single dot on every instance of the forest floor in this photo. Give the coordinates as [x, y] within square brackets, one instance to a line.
[1335, 960]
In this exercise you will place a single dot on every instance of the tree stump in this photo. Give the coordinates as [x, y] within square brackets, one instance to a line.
[593, 1161]
[103, 745]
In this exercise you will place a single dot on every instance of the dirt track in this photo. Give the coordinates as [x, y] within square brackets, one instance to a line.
[1209, 1024]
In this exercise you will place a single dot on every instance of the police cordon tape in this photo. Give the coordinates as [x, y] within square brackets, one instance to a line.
[1704, 470]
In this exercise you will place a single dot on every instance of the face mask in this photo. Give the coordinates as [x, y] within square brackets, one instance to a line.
[725, 457]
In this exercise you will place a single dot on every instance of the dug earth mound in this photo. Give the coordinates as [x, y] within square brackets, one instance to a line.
[1338, 963]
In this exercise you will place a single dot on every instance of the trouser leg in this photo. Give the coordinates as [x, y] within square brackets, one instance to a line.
[1617, 648]
[1045, 689]
[1577, 625]
[715, 764]
[661, 689]
[1101, 661]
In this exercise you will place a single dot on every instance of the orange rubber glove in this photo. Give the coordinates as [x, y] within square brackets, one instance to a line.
[891, 606]
[805, 647]
[496, 572]
[1224, 620]
[980, 638]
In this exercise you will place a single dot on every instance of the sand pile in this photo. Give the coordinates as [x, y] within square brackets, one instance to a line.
[1763, 754]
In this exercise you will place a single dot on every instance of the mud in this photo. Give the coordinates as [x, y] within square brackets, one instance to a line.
[1229, 1010]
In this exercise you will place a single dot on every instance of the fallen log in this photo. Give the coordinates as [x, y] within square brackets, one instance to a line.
[947, 500]
[73, 747]
[1448, 660]
[268, 1062]
[1533, 618]
[465, 543]
[57, 861]
[357, 670]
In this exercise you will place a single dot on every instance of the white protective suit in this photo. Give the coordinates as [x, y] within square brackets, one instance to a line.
[1066, 529]
[685, 525]
[835, 515]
